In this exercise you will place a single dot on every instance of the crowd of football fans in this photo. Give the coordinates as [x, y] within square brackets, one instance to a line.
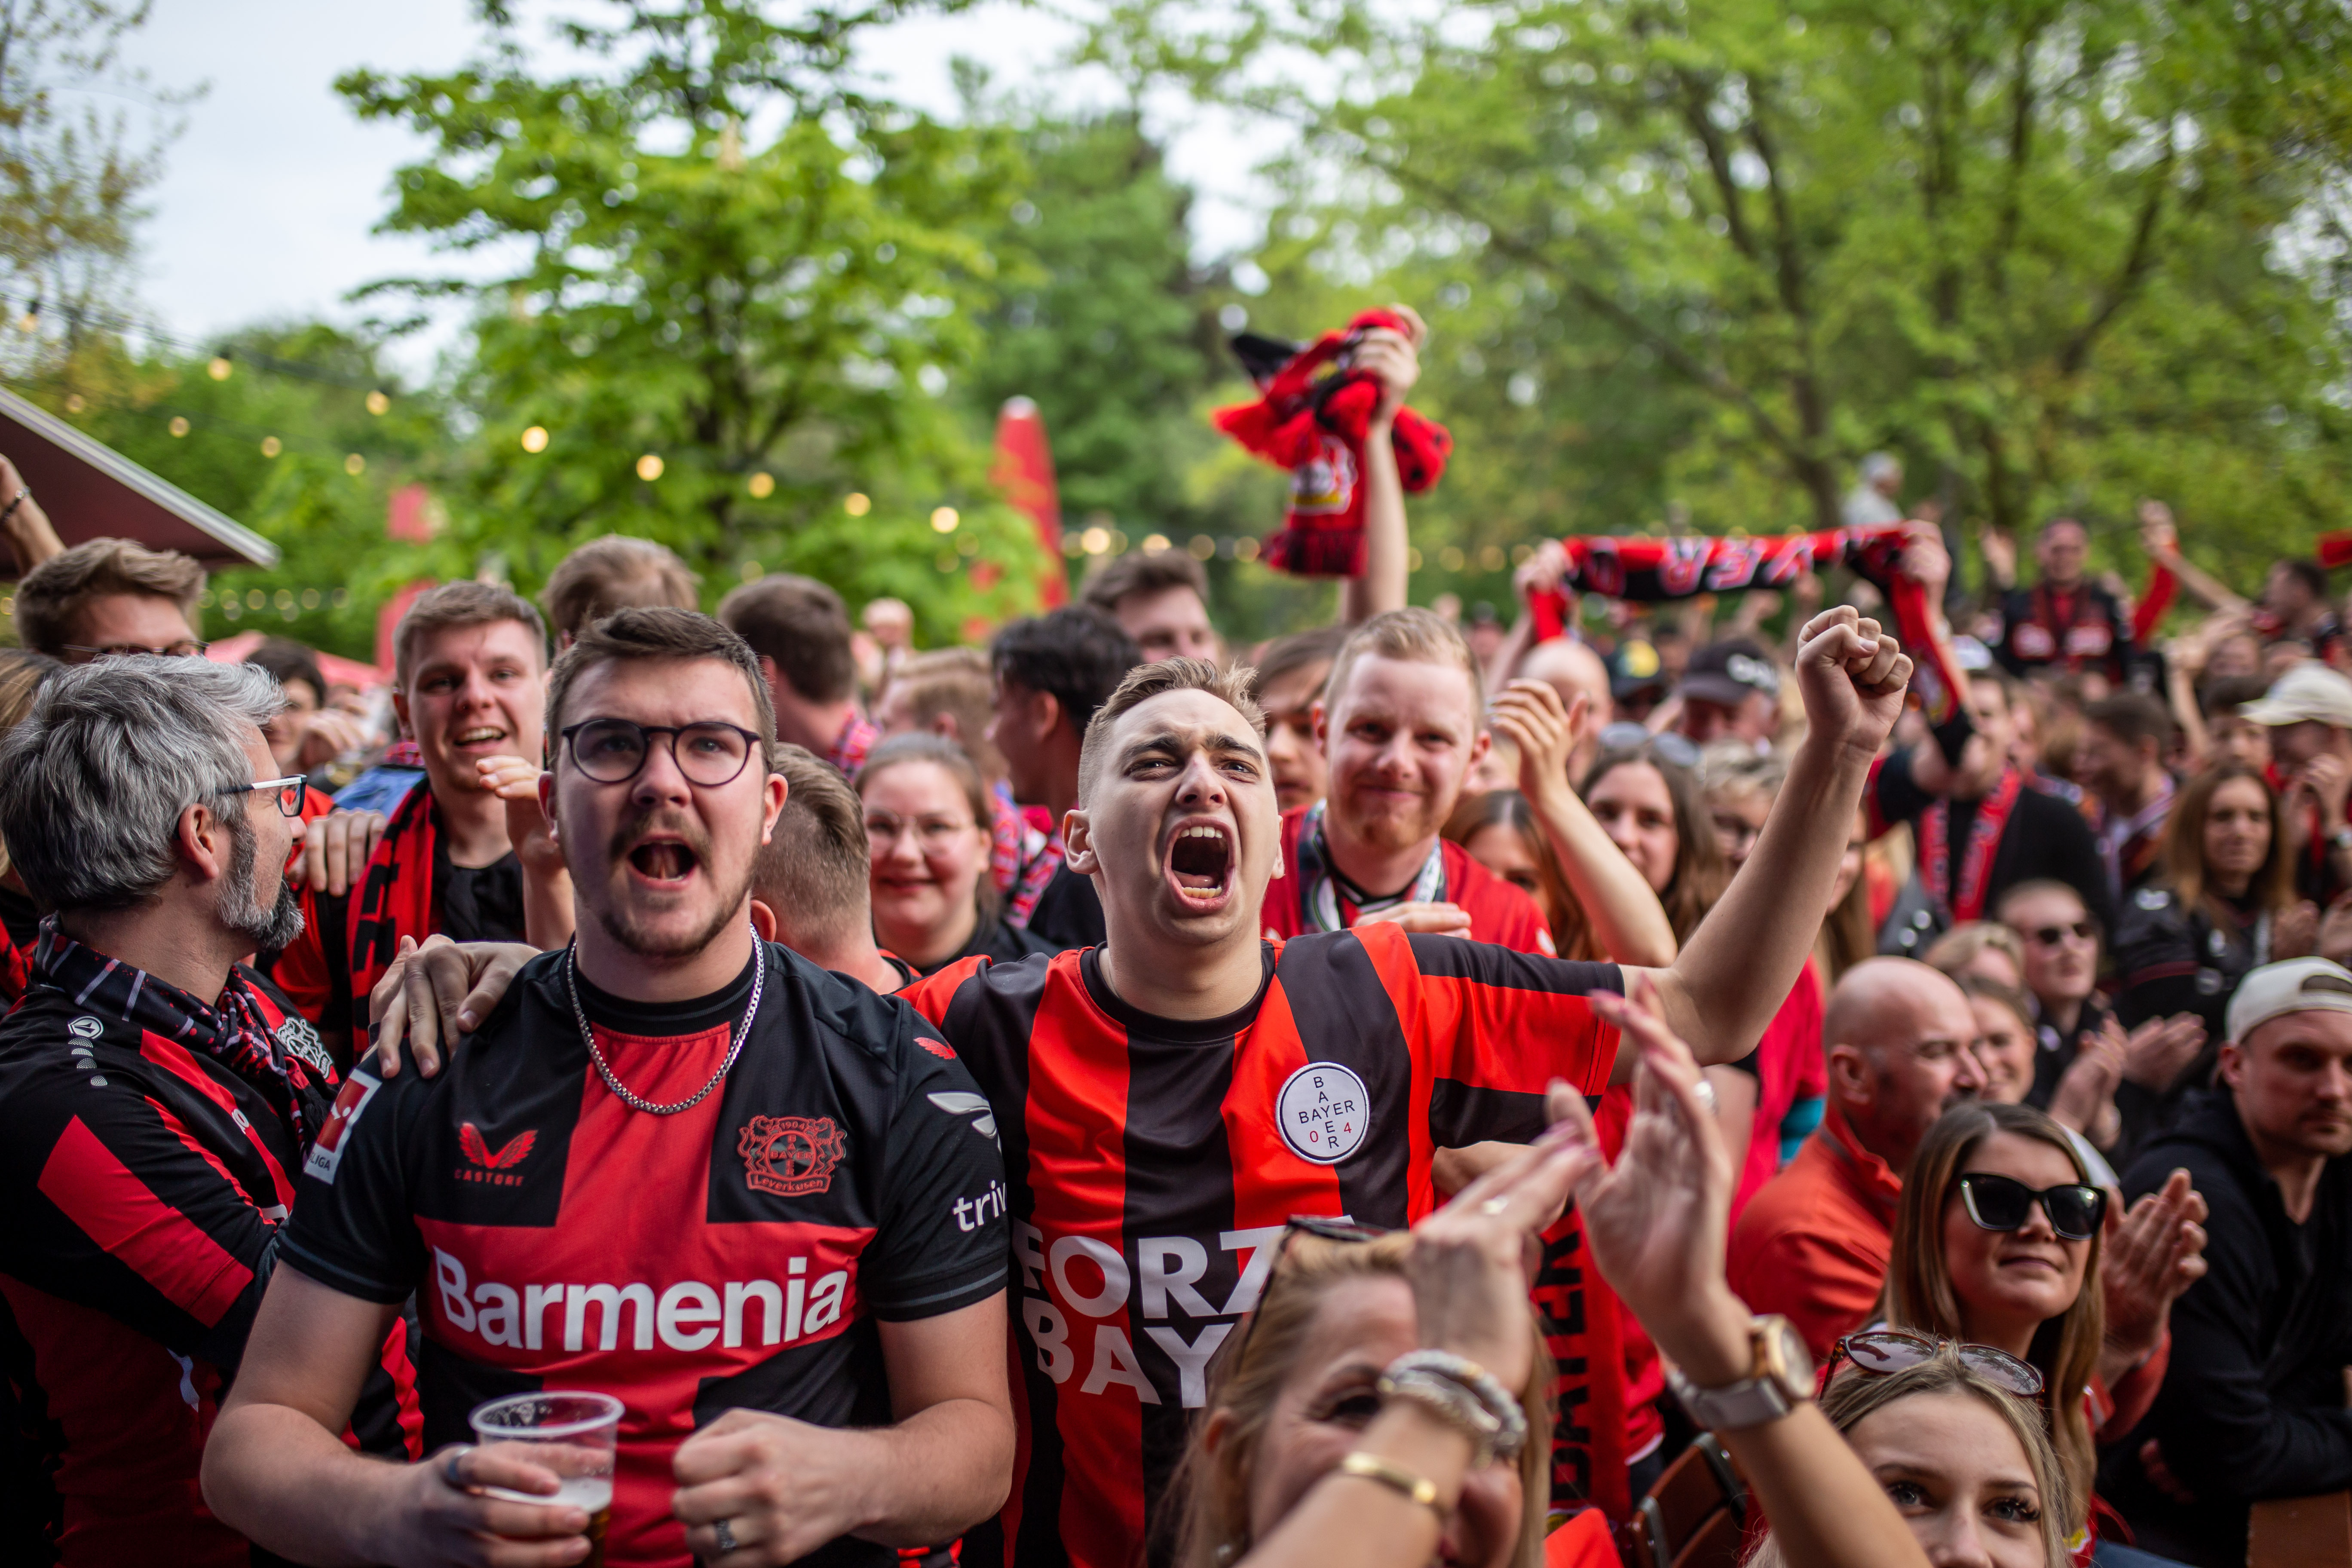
[1412, 1089]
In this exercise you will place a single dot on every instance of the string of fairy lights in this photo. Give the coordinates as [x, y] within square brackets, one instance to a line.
[1099, 536]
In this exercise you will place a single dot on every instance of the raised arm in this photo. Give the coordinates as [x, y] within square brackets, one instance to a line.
[276, 1471]
[24, 526]
[2161, 540]
[1394, 358]
[1627, 919]
[1656, 1225]
[1738, 966]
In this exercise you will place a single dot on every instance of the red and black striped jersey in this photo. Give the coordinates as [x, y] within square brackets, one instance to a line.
[733, 1255]
[1153, 1162]
[147, 1182]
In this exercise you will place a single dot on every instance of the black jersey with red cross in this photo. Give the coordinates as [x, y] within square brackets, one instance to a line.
[734, 1254]
[145, 1184]
[1153, 1162]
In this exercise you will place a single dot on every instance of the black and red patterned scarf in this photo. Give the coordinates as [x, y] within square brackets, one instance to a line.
[241, 1029]
[1652, 570]
[1966, 899]
[1312, 416]
[16, 970]
[394, 899]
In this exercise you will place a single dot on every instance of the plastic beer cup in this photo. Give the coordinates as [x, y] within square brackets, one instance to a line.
[571, 1435]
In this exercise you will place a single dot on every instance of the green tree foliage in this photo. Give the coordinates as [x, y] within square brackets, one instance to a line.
[73, 167]
[721, 342]
[1710, 252]
[1103, 321]
[295, 431]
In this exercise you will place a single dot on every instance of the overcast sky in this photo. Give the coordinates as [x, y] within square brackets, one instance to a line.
[265, 203]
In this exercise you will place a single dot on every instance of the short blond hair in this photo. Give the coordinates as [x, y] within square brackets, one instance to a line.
[956, 681]
[1416, 636]
[1232, 687]
[616, 573]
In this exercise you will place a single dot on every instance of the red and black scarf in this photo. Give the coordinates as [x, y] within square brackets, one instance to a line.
[1965, 900]
[1652, 570]
[394, 899]
[242, 1029]
[16, 970]
[1314, 424]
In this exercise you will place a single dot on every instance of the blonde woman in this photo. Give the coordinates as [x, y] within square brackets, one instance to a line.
[1999, 1241]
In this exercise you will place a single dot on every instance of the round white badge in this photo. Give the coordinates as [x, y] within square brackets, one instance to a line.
[88, 1027]
[1324, 1112]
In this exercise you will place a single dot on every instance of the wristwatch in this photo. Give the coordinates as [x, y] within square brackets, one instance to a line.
[1780, 1378]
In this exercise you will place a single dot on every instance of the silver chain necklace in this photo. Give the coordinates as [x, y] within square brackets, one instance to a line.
[621, 1092]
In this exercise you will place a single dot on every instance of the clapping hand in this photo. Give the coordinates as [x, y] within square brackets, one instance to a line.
[1471, 1262]
[1530, 715]
[2157, 1052]
[2152, 1255]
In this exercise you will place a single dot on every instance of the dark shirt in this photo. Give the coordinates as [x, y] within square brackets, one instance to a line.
[478, 903]
[2253, 1403]
[995, 939]
[2043, 629]
[2044, 837]
[1068, 912]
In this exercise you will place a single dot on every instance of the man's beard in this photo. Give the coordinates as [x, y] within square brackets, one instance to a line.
[272, 929]
[621, 924]
[1400, 825]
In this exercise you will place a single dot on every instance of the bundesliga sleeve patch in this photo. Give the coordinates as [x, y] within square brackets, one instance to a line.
[1324, 1112]
[327, 1153]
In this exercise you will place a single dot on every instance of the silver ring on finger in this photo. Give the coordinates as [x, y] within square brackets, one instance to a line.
[449, 1465]
[1705, 1094]
[1494, 1206]
[723, 1532]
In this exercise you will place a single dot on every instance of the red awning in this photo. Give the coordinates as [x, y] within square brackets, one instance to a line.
[91, 491]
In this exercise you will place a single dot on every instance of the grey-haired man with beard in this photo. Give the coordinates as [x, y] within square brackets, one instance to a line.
[156, 1097]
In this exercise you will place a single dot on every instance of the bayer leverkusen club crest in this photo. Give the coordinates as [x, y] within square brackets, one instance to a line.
[791, 1154]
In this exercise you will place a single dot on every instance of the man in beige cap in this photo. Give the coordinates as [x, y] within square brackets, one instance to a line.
[2308, 711]
[2253, 1403]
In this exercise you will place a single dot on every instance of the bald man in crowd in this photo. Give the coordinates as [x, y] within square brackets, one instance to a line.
[1813, 1244]
[1571, 667]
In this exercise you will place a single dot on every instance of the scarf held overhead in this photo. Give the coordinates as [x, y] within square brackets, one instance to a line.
[1651, 570]
[1311, 417]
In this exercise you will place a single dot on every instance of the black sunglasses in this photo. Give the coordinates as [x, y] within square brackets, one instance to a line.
[2000, 1203]
[2051, 936]
[1877, 1352]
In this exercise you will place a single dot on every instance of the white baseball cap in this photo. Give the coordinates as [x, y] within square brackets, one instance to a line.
[2308, 692]
[2292, 986]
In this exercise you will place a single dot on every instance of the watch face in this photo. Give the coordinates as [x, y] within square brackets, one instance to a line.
[1796, 1362]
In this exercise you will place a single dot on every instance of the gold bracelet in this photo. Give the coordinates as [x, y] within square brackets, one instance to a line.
[1397, 1479]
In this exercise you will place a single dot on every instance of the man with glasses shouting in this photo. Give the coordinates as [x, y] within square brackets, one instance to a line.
[156, 1100]
[758, 1203]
